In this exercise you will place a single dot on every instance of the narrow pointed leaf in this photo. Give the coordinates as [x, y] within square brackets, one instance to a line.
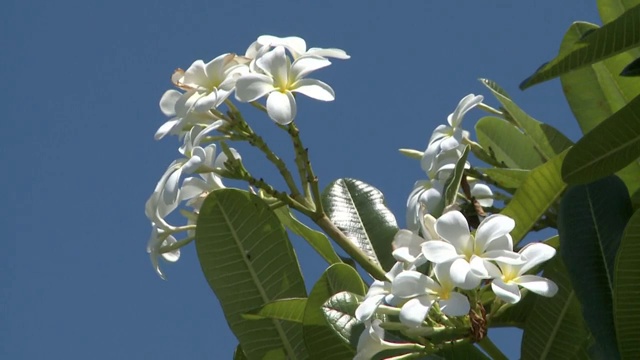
[613, 38]
[609, 147]
[595, 92]
[359, 211]
[248, 261]
[591, 221]
[547, 140]
[283, 309]
[626, 293]
[452, 184]
[538, 192]
[506, 144]
[555, 328]
[320, 338]
[316, 239]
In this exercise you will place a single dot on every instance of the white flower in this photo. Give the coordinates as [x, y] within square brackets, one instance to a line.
[298, 47]
[213, 82]
[422, 291]
[379, 291]
[426, 196]
[509, 277]
[157, 240]
[280, 80]
[407, 247]
[482, 193]
[468, 254]
[179, 106]
[372, 341]
[450, 137]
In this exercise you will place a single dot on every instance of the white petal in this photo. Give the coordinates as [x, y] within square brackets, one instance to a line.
[329, 52]
[171, 256]
[507, 292]
[403, 254]
[467, 103]
[165, 129]
[276, 64]
[295, 44]
[454, 228]
[306, 65]
[462, 276]
[536, 253]
[281, 107]
[368, 307]
[438, 251]
[195, 74]
[314, 89]
[192, 187]
[406, 238]
[478, 267]
[538, 285]
[504, 242]
[171, 189]
[415, 310]
[483, 194]
[456, 305]
[253, 86]
[410, 284]
[168, 102]
[206, 102]
[492, 227]
[505, 257]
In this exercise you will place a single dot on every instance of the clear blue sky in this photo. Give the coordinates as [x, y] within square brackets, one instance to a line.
[81, 84]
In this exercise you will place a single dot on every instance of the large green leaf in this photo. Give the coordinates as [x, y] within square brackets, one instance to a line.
[626, 291]
[555, 329]
[248, 261]
[506, 178]
[359, 211]
[508, 145]
[283, 309]
[547, 140]
[321, 340]
[595, 92]
[316, 239]
[340, 313]
[610, 9]
[613, 38]
[609, 147]
[590, 223]
[538, 192]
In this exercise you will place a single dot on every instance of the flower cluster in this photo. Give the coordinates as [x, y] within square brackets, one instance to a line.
[441, 262]
[271, 67]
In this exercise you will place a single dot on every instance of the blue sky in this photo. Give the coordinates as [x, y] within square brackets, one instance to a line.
[82, 81]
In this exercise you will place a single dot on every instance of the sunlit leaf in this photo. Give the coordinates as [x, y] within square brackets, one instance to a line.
[320, 337]
[613, 38]
[626, 290]
[591, 220]
[340, 313]
[283, 309]
[506, 178]
[248, 261]
[610, 9]
[359, 211]
[506, 144]
[533, 198]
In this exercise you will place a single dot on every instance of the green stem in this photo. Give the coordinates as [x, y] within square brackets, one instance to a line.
[300, 157]
[345, 243]
[490, 348]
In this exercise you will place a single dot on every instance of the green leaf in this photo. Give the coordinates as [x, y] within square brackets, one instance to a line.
[508, 145]
[239, 354]
[316, 239]
[340, 313]
[359, 211]
[626, 299]
[538, 192]
[462, 351]
[591, 221]
[506, 178]
[555, 329]
[547, 140]
[452, 184]
[321, 340]
[248, 261]
[633, 69]
[595, 92]
[609, 147]
[610, 9]
[613, 38]
[283, 309]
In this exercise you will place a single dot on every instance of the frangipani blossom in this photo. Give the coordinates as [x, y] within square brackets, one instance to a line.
[157, 240]
[179, 106]
[298, 47]
[468, 254]
[482, 193]
[426, 197]
[507, 278]
[280, 79]
[449, 137]
[379, 292]
[372, 341]
[407, 247]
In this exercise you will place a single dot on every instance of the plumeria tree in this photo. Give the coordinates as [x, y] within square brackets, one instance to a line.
[463, 261]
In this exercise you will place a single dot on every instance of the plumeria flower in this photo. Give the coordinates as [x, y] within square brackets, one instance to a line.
[298, 47]
[422, 291]
[280, 80]
[372, 341]
[158, 240]
[470, 254]
[407, 247]
[482, 193]
[426, 196]
[445, 163]
[379, 292]
[449, 137]
[508, 278]
[157, 207]
[179, 106]
[212, 82]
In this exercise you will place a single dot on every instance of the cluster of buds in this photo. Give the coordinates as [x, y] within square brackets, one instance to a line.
[443, 267]
[271, 67]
